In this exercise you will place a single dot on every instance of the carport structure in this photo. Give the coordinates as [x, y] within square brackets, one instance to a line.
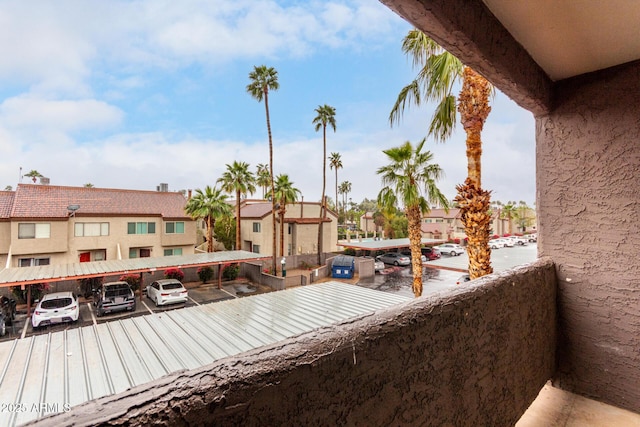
[57, 273]
[387, 244]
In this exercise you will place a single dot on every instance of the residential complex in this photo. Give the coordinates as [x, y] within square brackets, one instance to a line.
[46, 224]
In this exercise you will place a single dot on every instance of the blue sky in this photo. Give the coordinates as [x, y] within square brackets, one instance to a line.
[131, 94]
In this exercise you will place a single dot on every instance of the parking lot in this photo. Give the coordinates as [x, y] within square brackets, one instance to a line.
[438, 275]
[198, 294]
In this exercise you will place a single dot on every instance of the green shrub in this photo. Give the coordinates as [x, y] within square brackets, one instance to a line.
[231, 271]
[37, 290]
[350, 251]
[205, 273]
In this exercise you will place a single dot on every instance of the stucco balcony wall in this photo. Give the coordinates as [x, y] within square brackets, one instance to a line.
[477, 355]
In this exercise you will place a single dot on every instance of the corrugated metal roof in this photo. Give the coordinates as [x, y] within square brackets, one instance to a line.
[64, 369]
[372, 245]
[57, 272]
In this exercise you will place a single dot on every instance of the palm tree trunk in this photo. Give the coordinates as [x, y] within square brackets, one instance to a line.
[209, 235]
[273, 190]
[473, 105]
[282, 212]
[322, 201]
[474, 206]
[238, 238]
[415, 241]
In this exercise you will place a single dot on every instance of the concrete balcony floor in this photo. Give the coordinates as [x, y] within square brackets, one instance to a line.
[555, 407]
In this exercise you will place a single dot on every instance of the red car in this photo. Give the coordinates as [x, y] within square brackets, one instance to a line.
[430, 253]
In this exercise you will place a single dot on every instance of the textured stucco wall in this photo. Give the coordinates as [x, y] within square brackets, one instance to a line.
[475, 356]
[588, 171]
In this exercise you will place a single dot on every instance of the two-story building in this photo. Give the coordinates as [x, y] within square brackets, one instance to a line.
[301, 222]
[45, 224]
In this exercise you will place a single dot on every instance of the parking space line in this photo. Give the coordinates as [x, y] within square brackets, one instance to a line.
[145, 304]
[194, 301]
[227, 292]
[93, 318]
[24, 330]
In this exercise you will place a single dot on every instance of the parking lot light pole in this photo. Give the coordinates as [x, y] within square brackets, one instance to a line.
[283, 263]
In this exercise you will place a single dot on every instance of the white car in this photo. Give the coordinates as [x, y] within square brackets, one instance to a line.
[496, 243]
[167, 291]
[508, 243]
[450, 249]
[517, 240]
[57, 307]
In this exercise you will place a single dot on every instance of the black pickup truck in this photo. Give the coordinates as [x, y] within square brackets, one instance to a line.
[114, 296]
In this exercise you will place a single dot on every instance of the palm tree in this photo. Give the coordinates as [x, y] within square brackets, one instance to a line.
[345, 189]
[497, 205]
[509, 212]
[238, 179]
[335, 162]
[410, 181]
[285, 193]
[34, 175]
[209, 205]
[326, 116]
[263, 178]
[88, 185]
[439, 71]
[263, 79]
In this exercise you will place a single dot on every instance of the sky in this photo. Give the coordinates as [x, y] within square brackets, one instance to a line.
[130, 94]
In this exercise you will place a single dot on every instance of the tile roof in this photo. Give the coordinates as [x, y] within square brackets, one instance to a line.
[440, 213]
[255, 210]
[6, 201]
[50, 201]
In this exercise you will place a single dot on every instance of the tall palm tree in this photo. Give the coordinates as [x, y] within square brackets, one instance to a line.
[285, 193]
[497, 205]
[509, 212]
[409, 180]
[240, 180]
[262, 80]
[439, 71]
[335, 162]
[209, 205]
[326, 116]
[263, 178]
[345, 189]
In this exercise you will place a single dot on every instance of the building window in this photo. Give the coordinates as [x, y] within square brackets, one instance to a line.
[174, 251]
[439, 220]
[87, 229]
[141, 228]
[34, 231]
[174, 227]
[289, 229]
[256, 249]
[139, 252]
[256, 227]
[31, 262]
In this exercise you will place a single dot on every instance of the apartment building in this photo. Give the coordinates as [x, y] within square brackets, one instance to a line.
[46, 224]
[301, 221]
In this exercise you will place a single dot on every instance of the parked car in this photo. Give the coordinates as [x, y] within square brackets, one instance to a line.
[8, 309]
[114, 296]
[450, 249]
[3, 325]
[430, 253]
[506, 242]
[57, 307]
[167, 291]
[496, 244]
[518, 240]
[407, 252]
[532, 237]
[395, 258]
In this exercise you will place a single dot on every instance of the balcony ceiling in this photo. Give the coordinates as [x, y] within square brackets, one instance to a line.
[571, 37]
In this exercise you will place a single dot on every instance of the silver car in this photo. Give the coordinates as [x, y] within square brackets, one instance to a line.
[394, 258]
[167, 291]
[450, 249]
